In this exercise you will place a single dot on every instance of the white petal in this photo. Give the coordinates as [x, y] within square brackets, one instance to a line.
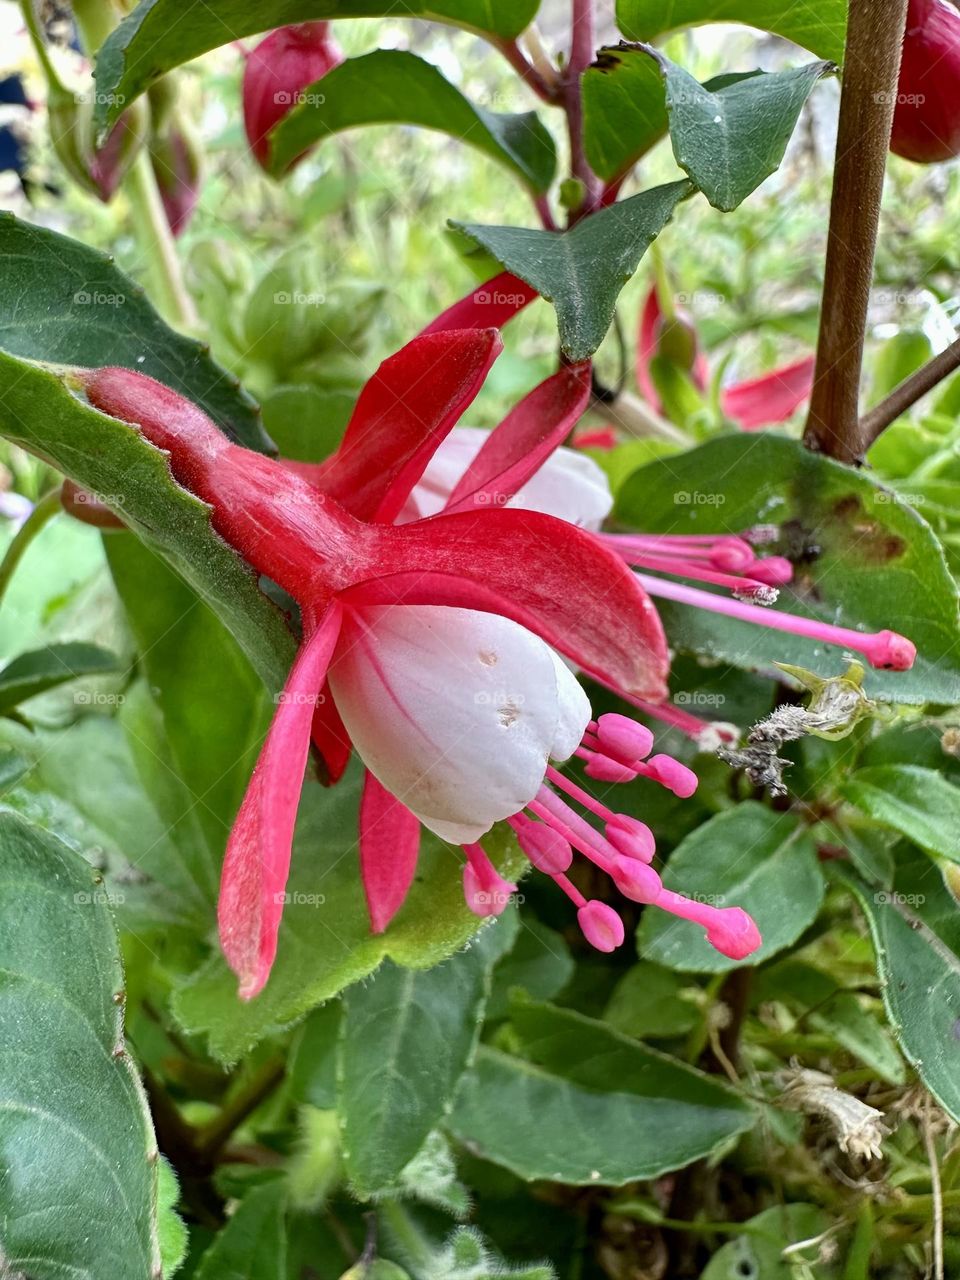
[569, 485]
[456, 712]
[575, 711]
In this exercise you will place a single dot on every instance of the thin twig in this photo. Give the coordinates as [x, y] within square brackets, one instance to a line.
[930, 1146]
[210, 1139]
[871, 68]
[582, 49]
[907, 393]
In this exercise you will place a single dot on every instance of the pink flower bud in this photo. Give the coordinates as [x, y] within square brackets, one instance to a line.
[623, 738]
[636, 880]
[278, 71]
[486, 893]
[601, 925]
[926, 121]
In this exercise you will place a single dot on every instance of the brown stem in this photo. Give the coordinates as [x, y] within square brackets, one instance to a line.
[210, 1139]
[871, 69]
[907, 393]
[582, 49]
[526, 70]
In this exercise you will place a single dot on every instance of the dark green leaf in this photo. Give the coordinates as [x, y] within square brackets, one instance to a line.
[745, 857]
[731, 140]
[539, 963]
[405, 1041]
[253, 1244]
[325, 940]
[112, 459]
[919, 803]
[865, 561]
[582, 271]
[920, 981]
[648, 1001]
[79, 1192]
[624, 109]
[391, 86]
[312, 1071]
[42, 669]
[62, 302]
[154, 38]
[587, 1106]
[818, 27]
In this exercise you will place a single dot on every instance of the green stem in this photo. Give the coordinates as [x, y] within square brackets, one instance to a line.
[662, 283]
[211, 1139]
[409, 1239]
[95, 20]
[39, 43]
[44, 511]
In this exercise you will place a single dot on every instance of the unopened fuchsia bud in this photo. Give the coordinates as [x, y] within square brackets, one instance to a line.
[926, 120]
[485, 890]
[636, 880]
[177, 166]
[546, 849]
[623, 738]
[670, 773]
[278, 72]
[631, 837]
[601, 926]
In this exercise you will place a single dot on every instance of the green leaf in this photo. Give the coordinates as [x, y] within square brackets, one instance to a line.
[745, 857]
[826, 1007]
[312, 1070]
[919, 803]
[864, 560]
[253, 1244]
[624, 109]
[63, 303]
[325, 940]
[920, 981]
[757, 1254]
[79, 1192]
[587, 1106]
[306, 422]
[405, 1041]
[42, 669]
[215, 709]
[539, 963]
[731, 140]
[821, 28]
[649, 1001]
[110, 458]
[173, 1234]
[390, 86]
[581, 271]
[153, 39]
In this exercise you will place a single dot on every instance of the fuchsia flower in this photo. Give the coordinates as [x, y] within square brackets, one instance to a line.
[282, 66]
[926, 121]
[757, 402]
[434, 641]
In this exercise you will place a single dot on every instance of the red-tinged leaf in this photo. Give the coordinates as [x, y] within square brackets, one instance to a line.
[489, 305]
[404, 413]
[330, 736]
[258, 852]
[553, 578]
[389, 848]
[648, 346]
[771, 398]
[521, 444]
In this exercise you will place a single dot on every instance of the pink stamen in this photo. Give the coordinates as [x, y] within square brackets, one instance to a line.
[670, 773]
[729, 929]
[631, 837]
[623, 739]
[601, 926]
[485, 890]
[546, 848]
[586, 799]
[550, 809]
[688, 569]
[603, 769]
[776, 571]
[883, 649]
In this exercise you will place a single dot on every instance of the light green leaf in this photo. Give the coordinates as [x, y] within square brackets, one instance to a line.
[920, 981]
[819, 27]
[79, 1191]
[153, 39]
[63, 303]
[391, 86]
[325, 940]
[253, 1244]
[174, 1237]
[919, 803]
[112, 459]
[587, 1106]
[745, 857]
[405, 1040]
[582, 271]
[730, 140]
[757, 1254]
[649, 1001]
[865, 560]
[538, 963]
[42, 669]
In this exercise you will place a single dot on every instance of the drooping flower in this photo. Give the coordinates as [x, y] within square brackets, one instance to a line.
[277, 73]
[757, 402]
[926, 121]
[428, 645]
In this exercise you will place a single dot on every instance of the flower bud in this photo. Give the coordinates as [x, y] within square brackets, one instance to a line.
[278, 71]
[176, 161]
[98, 170]
[926, 120]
